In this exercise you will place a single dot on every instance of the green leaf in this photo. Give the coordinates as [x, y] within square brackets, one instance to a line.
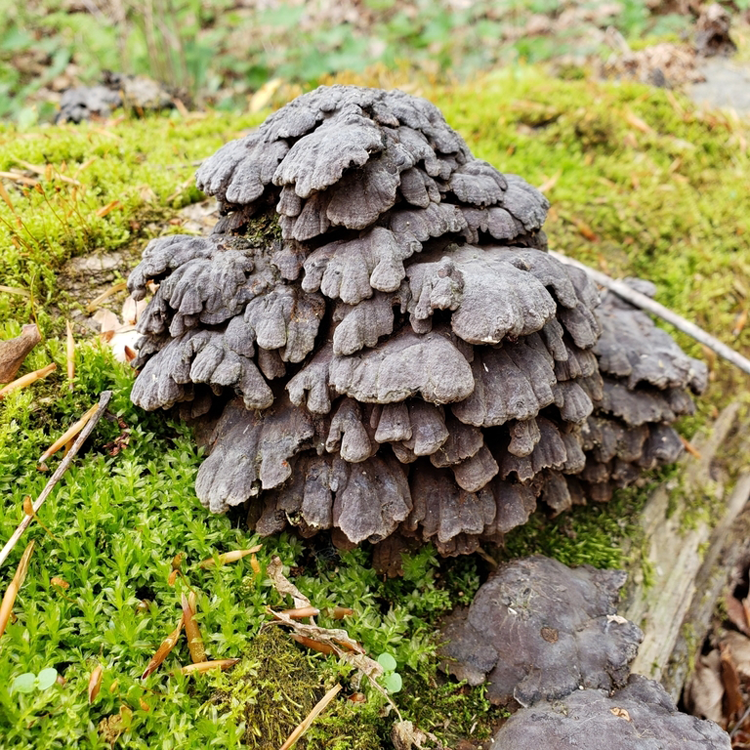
[24, 683]
[387, 662]
[46, 678]
[392, 682]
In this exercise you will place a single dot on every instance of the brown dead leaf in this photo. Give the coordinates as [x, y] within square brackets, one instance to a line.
[107, 320]
[339, 613]
[311, 643]
[193, 633]
[9, 598]
[585, 230]
[690, 448]
[14, 351]
[95, 682]
[733, 703]
[111, 727]
[736, 613]
[164, 650]
[283, 585]
[301, 612]
[740, 647]
[704, 692]
[405, 736]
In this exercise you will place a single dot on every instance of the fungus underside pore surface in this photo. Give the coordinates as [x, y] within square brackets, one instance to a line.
[663, 202]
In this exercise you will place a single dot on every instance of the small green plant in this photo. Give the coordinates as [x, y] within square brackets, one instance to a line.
[391, 679]
[28, 682]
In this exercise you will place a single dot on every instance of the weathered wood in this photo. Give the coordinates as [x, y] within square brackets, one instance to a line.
[685, 553]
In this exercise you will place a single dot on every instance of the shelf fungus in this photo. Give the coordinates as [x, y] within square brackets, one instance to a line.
[381, 344]
[538, 630]
[638, 716]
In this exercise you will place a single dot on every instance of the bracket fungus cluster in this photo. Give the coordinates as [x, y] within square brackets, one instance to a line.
[550, 645]
[386, 347]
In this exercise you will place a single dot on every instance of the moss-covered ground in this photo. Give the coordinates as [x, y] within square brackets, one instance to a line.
[641, 184]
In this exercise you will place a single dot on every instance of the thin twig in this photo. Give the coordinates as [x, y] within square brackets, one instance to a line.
[104, 400]
[621, 289]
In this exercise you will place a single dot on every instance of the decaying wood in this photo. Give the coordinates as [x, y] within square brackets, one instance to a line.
[685, 554]
[104, 400]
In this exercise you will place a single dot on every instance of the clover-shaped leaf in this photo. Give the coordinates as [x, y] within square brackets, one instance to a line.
[28, 681]
[387, 662]
[24, 683]
[392, 682]
[46, 678]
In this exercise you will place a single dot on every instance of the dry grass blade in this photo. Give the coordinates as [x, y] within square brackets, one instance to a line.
[318, 709]
[6, 198]
[547, 185]
[122, 286]
[71, 353]
[690, 448]
[229, 557]
[70, 433]
[111, 206]
[636, 122]
[193, 633]
[327, 640]
[19, 178]
[27, 379]
[15, 290]
[95, 682]
[104, 400]
[6, 606]
[48, 172]
[164, 650]
[207, 666]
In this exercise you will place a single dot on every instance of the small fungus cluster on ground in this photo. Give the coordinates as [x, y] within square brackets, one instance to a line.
[548, 641]
[382, 345]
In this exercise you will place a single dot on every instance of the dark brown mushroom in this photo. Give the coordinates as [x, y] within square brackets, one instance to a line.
[640, 716]
[410, 360]
[539, 630]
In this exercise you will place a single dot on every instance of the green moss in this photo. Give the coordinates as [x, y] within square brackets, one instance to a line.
[451, 711]
[275, 687]
[666, 203]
